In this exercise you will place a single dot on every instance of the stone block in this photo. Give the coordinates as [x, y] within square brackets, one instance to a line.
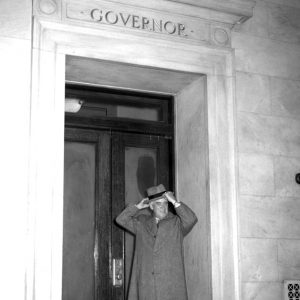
[268, 135]
[14, 123]
[285, 97]
[262, 291]
[252, 93]
[268, 217]
[266, 56]
[285, 170]
[284, 23]
[259, 260]
[15, 18]
[256, 174]
[289, 259]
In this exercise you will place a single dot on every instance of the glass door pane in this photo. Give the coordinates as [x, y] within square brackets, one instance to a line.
[87, 215]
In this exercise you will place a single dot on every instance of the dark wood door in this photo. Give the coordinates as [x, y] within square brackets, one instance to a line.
[138, 162]
[104, 171]
[87, 215]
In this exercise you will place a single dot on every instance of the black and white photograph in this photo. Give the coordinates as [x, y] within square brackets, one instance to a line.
[150, 149]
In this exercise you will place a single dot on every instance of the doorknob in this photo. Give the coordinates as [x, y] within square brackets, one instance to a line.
[117, 272]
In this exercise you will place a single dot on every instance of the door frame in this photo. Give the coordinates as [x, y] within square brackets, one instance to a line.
[52, 42]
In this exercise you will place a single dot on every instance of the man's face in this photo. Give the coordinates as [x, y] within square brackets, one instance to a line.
[160, 208]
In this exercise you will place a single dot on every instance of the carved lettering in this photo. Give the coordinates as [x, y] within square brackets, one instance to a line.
[181, 29]
[170, 27]
[125, 21]
[145, 23]
[111, 17]
[137, 22]
[96, 15]
[157, 25]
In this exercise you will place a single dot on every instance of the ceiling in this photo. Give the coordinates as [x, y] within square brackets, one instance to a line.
[83, 70]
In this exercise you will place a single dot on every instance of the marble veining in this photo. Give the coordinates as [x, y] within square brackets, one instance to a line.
[268, 135]
[256, 174]
[285, 97]
[262, 291]
[270, 217]
[285, 170]
[259, 260]
[252, 93]
[284, 23]
[289, 259]
[266, 56]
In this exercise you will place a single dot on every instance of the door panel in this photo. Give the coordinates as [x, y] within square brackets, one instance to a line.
[79, 207]
[87, 221]
[139, 161]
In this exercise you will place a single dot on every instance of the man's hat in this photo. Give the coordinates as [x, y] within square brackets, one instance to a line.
[155, 192]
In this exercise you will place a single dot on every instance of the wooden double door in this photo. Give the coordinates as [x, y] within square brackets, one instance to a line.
[104, 172]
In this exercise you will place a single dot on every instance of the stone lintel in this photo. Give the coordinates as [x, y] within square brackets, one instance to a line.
[230, 12]
[205, 22]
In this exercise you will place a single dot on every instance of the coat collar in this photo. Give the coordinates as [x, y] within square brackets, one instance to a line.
[151, 222]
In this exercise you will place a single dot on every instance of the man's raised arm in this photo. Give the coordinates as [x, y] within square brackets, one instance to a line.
[187, 216]
[126, 218]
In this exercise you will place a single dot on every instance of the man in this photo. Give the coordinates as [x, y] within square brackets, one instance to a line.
[158, 267]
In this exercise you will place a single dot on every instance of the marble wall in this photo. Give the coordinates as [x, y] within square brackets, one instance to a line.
[15, 64]
[267, 51]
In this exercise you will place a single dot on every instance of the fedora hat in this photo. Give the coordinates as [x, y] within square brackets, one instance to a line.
[156, 192]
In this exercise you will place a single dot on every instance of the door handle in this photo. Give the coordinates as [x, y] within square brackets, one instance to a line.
[117, 272]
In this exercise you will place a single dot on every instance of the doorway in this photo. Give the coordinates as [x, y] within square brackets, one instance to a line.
[114, 151]
[201, 79]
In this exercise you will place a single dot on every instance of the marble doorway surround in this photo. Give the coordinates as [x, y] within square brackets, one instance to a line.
[171, 38]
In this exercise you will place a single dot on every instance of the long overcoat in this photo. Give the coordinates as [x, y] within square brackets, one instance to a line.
[158, 266]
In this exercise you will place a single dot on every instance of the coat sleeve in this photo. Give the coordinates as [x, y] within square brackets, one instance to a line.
[187, 217]
[126, 218]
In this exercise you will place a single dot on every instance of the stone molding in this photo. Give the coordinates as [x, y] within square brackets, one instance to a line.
[221, 36]
[230, 12]
[47, 8]
[190, 22]
[52, 42]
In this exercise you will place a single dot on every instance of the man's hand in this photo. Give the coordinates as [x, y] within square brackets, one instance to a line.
[143, 204]
[170, 197]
